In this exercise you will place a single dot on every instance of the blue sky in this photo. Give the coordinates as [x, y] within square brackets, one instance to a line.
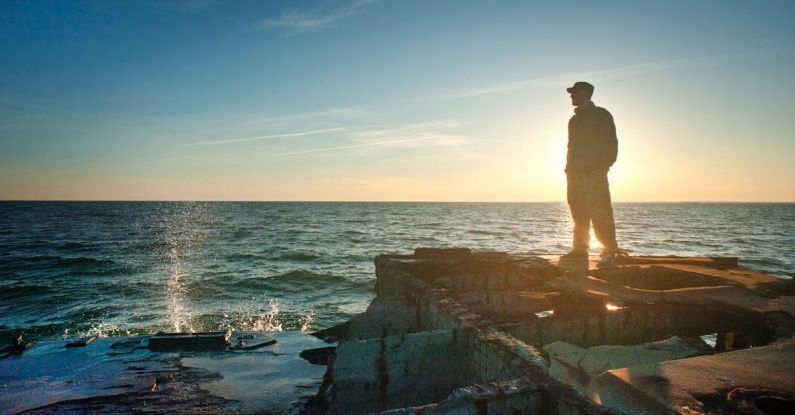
[390, 100]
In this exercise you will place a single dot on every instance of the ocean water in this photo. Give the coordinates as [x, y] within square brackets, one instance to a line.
[111, 268]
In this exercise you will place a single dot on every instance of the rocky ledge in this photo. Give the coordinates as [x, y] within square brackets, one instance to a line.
[453, 331]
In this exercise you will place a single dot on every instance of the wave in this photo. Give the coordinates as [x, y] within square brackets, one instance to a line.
[102, 272]
[245, 256]
[35, 258]
[241, 233]
[87, 312]
[74, 245]
[265, 255]
[480, 232]
[301, 280]
[760, 261]
[153, 245]
[7, 333]
[17, 262]
[298, 256]
[304, 276]
[19, 291]
[85, 260]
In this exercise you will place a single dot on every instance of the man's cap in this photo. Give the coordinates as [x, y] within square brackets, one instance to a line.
[580, 85]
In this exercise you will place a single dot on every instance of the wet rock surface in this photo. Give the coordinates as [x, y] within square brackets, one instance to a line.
[121, 375]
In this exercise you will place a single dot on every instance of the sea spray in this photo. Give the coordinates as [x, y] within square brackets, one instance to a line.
[307, 321]
[179, 315]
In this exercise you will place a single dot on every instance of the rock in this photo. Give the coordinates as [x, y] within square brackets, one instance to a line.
[81, 342]
[447, 253]
[254, 346]
[564, 359]
[597, 359]
[384, 317]
[332, 334]
[448, 325]
[17, 347]
[318, 356]
[216, 340]
[720, 383]
[580, 367]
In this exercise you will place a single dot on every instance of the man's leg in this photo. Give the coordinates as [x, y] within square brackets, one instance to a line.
[601, 213]
[577, 196]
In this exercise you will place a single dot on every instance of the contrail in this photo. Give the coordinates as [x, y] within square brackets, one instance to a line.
[267, 137]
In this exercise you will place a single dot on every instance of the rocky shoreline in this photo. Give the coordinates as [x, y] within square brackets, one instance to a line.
[459, 332]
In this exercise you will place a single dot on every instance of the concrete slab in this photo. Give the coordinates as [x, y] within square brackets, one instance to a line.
[708, 384]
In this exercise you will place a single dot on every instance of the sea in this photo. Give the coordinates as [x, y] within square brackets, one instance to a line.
[71, 269]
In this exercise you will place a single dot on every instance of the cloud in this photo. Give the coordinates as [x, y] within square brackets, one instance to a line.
[565, 80]
[429, 134]
[268, 137]
[437, 134]
[322, 115]
[402, 131]
[306, 21]
[350, 146]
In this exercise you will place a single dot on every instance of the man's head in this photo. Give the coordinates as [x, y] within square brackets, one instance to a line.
[581, 93]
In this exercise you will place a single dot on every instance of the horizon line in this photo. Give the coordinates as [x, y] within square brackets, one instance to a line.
[378, 201]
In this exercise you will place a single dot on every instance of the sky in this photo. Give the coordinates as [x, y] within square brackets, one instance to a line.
[391, 100]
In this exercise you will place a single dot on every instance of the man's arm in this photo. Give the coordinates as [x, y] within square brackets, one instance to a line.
[609, 140]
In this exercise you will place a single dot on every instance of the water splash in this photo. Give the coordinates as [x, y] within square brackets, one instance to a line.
[179, 315]
[104, 330]
[307, 320]
[270, 320]
[251, 317]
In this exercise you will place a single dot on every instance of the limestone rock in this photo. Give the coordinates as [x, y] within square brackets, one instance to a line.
[597, 359]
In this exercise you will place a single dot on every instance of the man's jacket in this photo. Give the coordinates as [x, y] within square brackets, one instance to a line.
[593, 145]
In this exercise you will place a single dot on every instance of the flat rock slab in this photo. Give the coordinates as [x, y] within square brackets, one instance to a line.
[164, 342]
[579, 367]
[597, 359]
[120, 375]
[723, 383]
[590, 262]
[266, 380]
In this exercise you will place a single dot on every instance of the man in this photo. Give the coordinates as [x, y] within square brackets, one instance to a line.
[592, 149]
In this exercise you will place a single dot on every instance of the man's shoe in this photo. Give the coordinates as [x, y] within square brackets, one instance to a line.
[607, 261]
[575, 254]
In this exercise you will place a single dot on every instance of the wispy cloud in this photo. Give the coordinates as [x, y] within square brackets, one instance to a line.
[268, 137]
[403, 131]
[322, 115]
[306, 21]
[565, 80]
[429, 134]
[350, 146]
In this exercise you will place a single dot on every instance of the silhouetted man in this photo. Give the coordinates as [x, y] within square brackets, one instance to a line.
[592, 149]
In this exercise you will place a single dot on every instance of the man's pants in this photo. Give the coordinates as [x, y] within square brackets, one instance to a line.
[589, 201]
